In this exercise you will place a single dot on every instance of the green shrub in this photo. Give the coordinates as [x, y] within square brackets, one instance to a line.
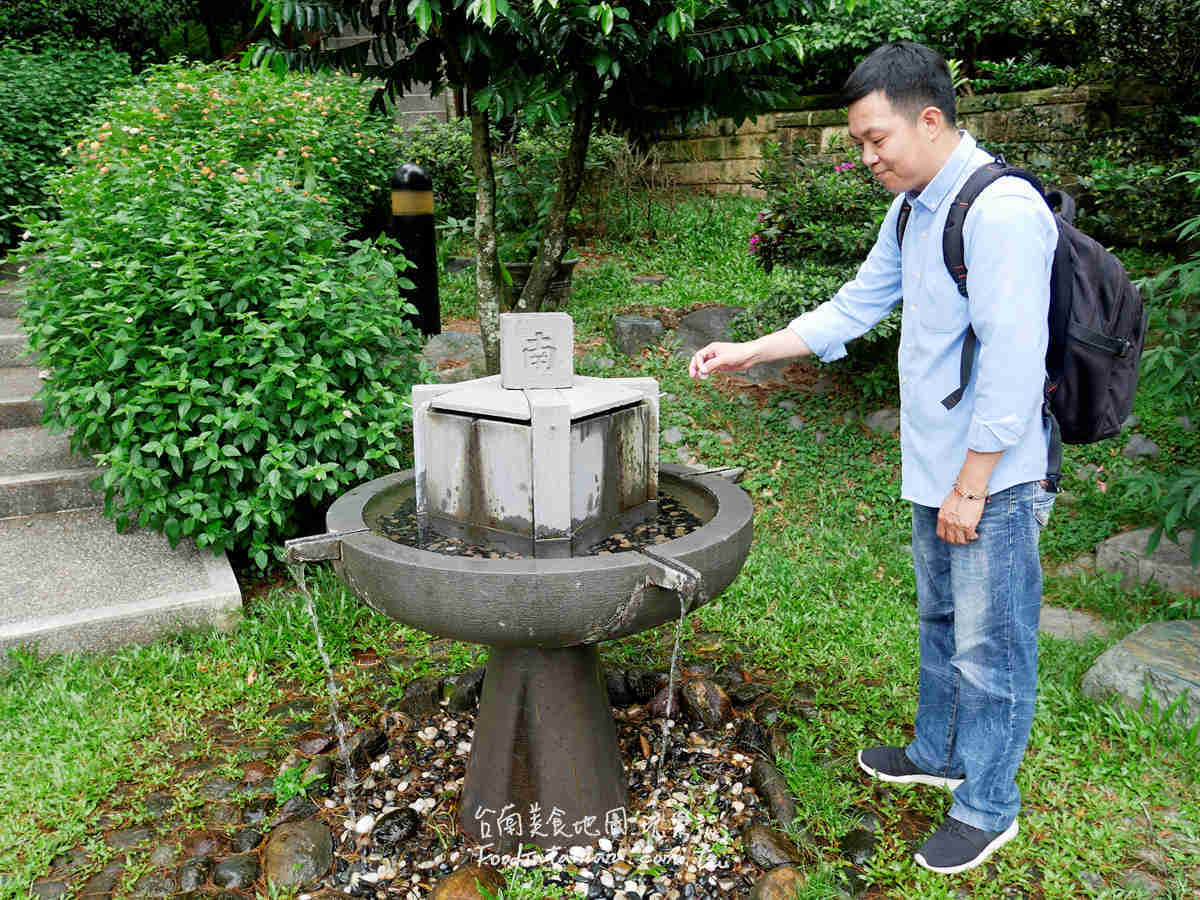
[816, 212]
[43, 96]
[133, 26]
[1016, 75]
[1170, 375]
[212, 337]
[443, 149]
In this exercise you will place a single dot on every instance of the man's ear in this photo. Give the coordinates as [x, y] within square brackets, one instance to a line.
[931, 122]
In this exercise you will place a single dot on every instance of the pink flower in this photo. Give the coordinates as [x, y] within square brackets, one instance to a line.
[844, 167]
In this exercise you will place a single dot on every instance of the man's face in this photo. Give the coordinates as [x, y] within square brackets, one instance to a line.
[894, 146]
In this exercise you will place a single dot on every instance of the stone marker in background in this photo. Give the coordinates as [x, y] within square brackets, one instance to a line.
[633, 333]
[1161, 659]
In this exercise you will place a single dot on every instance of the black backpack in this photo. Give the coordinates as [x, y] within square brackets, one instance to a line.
[1097, 322]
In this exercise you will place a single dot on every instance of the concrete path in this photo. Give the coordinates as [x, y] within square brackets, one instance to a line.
[68, 581]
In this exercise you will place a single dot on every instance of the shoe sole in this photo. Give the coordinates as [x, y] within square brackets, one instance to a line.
[996, 843]
[920, 778]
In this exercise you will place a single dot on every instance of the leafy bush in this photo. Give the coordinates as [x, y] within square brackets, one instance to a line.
[1170, 375]
[212, 338]
[133, 26]
[43, 95]
[1157, 41]
[443, 149]
[1017, 75]
[816, 211]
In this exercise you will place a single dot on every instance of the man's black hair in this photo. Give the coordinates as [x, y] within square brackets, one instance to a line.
[910, 75]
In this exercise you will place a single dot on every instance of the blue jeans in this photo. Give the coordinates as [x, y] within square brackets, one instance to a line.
[979, 606]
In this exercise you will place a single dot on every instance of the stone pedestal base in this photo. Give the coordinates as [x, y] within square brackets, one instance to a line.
[545, 767]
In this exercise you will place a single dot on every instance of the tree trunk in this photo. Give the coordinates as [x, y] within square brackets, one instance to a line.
[554, 237]
[489, 286]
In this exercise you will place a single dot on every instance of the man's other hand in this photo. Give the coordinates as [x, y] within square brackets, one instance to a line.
[958, 517]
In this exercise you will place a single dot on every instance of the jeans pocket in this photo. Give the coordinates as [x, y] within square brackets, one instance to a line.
[1043, 502]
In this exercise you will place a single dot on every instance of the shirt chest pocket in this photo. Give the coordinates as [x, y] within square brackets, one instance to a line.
[942, 307]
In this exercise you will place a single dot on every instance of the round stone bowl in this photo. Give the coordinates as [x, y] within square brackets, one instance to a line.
[543, 603]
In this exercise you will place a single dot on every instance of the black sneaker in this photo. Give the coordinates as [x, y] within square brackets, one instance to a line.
[957, 846]
[893, 764]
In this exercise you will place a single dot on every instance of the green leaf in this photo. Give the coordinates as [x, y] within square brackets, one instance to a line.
[120, 358]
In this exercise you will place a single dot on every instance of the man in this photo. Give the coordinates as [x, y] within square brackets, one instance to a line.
[974, 473]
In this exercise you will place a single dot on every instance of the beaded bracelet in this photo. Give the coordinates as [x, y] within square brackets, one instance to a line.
[958, 490]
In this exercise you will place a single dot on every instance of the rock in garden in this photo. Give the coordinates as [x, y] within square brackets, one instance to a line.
[204, 843]
[364, 746]
[422, 697]
[311, 742]
[787, 405]
[295, 809]
[224, 814]
[465, 689]
[665, 703]
[236, 872]
[194, 872]
[154, 884]
[461, 884]
[773, 789]
[768, 847]
[298, 853]
[1169, 565]
[457, 356]
[158, 804]
[705, 326]
[858, 846]
[1140, 447]
[217, 788]
[1070, 624]
[781, 883]
[1161, 659]
[796, 423]
[48, 889]
[886, 421]
[127, 838]
[633, 333]
[750, 736]
[645, 683]
[706, 702]
[319, 774]
[652, 280]
[245, 840]
[395, 827]
[1142, 885]
[673, 435]
[617, 686]
[103, 882]
[747, 692]
[1185, 423]
[258, 810]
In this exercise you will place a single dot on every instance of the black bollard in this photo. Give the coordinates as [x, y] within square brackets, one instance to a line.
[411, 225]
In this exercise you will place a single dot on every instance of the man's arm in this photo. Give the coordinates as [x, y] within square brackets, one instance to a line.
[722, 356]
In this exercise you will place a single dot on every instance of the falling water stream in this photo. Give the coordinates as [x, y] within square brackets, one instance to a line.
[688, 591]
[298, 575]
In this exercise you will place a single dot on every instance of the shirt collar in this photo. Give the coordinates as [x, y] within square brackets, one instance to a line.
[935, 192]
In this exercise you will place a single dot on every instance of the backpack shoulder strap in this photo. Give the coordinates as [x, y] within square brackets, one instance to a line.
[953, 250]
[902, 221]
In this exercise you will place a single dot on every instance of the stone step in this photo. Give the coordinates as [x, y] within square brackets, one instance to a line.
[13, 345]
[70, 583]
[11, 299]
[18, 408]
[48, 492]
[24, 451]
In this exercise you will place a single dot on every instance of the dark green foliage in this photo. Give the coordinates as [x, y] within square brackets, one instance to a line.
[133, 26]
[1016, 75]
[231, 360]
[443, 149]
[43, 95]
[816, 211]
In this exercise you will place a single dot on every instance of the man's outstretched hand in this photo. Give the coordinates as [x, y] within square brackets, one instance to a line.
[720, 356]
[723, 356]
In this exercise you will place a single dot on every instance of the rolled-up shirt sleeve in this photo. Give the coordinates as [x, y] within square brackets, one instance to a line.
[859, 304]
[1009, 249]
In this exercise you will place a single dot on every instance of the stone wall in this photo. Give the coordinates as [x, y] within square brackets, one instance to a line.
[723, 156]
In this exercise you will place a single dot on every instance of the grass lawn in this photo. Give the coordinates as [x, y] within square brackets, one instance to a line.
[826, 602]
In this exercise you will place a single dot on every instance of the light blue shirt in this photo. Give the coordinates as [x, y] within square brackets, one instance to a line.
[1009, 240]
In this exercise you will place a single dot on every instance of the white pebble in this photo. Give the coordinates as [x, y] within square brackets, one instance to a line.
[364, 825]
[370, 877]
[738, 806]
[579, 854]
[607, 880]
[605, 845]
[737, 788]
[429, 733]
